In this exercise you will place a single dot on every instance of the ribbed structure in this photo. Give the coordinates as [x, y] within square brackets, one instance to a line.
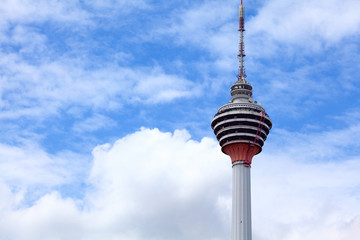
[241, 121]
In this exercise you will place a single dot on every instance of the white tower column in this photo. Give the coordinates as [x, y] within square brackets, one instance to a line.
[241, 200]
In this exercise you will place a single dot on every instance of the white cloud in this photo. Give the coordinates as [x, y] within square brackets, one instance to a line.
[207, 26]
[29, 172]
[159, 190]
[29, 165]
[298, 198]
[35, 11]
[93, 123]
[149, 185]
[118, 5]
[312, 25]
[50, 218]
[155, 86]
[157, 185]
[39, 91]
[27, 39]
[277, 27]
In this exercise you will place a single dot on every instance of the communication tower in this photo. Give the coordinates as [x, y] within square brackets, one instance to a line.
[241, 127]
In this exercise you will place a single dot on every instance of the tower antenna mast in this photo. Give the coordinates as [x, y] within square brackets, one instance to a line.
[241, 55]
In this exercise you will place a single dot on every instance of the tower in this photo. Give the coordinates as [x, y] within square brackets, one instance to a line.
[241, 127]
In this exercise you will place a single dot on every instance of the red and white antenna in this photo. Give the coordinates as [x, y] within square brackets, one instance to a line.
[241, 55]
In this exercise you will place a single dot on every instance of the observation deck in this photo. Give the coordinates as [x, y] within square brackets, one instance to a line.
[241, 120]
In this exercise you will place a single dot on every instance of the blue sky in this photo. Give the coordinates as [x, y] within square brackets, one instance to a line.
[105, 110]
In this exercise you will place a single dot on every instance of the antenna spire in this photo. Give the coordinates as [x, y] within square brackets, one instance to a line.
[241, 55]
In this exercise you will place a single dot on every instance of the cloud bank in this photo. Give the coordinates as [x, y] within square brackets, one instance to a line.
[159, 185]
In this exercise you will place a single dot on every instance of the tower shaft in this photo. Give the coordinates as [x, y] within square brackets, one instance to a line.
[241, 200]
[241, 156]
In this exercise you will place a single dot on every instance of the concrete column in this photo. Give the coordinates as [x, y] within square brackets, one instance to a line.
[241, 200]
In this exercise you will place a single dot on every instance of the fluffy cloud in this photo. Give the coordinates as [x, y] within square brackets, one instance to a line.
[159, 189]
[149, 185]
[29, 165]
[157, 185]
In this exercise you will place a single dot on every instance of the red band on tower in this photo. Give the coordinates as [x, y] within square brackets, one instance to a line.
[241, 152]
